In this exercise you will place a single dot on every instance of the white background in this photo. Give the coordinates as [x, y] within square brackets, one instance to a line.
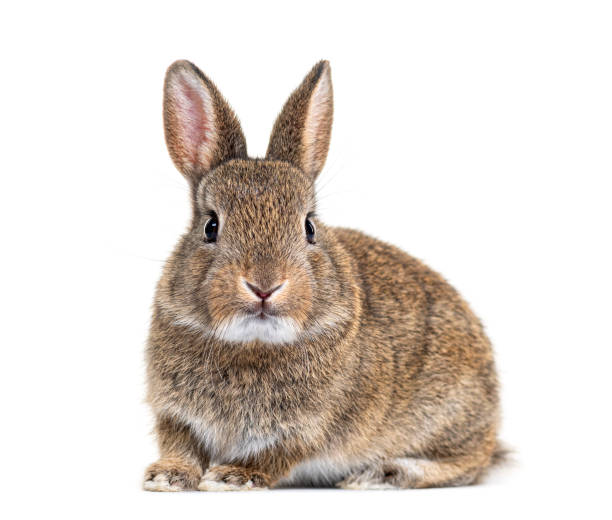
[475, 135]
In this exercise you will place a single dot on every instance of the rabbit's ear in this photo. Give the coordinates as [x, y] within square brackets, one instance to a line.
[201, 129]
[302, 131]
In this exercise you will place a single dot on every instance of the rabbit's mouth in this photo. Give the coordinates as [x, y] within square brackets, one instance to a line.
[264, 311]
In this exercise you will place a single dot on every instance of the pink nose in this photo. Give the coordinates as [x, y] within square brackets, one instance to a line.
[264, 295]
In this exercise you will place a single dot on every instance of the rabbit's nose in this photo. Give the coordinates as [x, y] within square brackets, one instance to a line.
[263, 294]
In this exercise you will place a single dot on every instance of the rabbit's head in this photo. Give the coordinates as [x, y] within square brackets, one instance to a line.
[255, 264]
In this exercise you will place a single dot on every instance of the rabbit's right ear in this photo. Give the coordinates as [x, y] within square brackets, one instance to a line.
[302, 131]
[201, 129]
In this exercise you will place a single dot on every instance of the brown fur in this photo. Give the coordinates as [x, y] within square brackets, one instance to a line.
[390, 379]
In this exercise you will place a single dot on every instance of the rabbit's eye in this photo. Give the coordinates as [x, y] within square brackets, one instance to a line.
[211, 228]
[310, 230]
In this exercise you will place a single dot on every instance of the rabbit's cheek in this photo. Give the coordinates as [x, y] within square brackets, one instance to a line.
[298, 304]
[222, 293]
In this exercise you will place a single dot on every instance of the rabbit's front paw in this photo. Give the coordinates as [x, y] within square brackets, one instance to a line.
[233, 478]
[171, 475]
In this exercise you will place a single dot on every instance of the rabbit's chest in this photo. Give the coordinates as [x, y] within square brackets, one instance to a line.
[235, 435]
[241, 410]
[235, 420]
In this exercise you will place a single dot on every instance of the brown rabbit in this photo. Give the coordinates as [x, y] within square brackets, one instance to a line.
[286, 352]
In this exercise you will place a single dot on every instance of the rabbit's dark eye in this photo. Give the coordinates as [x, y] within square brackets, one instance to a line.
[211, 228]
[310, 230]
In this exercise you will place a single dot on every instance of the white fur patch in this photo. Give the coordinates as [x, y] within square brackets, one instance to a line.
[272, 329]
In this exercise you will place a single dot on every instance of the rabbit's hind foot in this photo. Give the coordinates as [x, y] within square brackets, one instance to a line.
[402, 473]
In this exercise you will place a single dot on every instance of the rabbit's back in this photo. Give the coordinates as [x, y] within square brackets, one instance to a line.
[429, 353]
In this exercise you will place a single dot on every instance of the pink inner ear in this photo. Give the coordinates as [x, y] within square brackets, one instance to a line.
[193, 110]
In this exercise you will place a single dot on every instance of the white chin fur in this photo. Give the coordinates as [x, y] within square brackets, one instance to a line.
[272, 329]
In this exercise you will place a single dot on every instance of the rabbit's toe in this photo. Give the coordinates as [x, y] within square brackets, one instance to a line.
[232, 478]
[171, 475]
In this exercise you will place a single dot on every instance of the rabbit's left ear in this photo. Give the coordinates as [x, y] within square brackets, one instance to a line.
[302, 131]
[201, 129]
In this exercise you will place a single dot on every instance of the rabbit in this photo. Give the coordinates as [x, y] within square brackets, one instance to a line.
[283, 352]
